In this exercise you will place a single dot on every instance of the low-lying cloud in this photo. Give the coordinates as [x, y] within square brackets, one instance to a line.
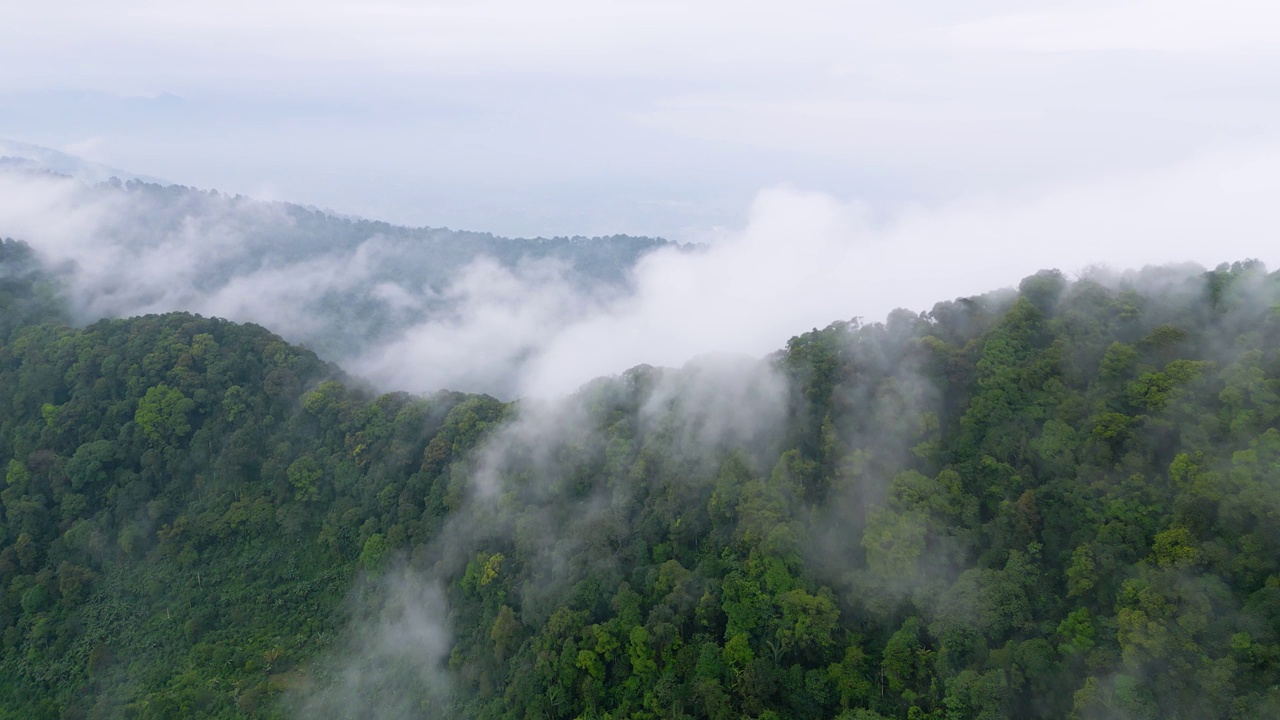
[800, 260]
[803, 260]
[392, 662]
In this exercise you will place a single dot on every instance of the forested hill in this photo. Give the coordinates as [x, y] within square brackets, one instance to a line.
[185, 497]
[1055, 502]
[340, 285]
[28, 295]
[280, 233]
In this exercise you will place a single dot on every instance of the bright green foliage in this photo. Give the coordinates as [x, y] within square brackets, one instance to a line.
[304, 475]
[162, 414]
[374, 553]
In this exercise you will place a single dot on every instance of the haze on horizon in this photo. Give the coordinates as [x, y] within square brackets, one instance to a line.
[842, 160]
[568, 117]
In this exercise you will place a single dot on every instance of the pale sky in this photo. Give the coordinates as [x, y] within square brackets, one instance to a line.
[568, 117]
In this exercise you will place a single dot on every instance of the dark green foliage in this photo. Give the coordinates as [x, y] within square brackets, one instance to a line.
[1011, 507]
[175, 539]
[27, 294]
[1057, 503]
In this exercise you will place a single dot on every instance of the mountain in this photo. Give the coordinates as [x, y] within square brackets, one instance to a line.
[1058, 501]
[25, 157]
[353, 290]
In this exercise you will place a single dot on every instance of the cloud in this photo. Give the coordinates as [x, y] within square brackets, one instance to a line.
[1238, 27]
[498, 317]
[392, 662]
[798, 261]
[599, 38]
[568, 117]
[128, 252]
[555, 487]
[804, 260]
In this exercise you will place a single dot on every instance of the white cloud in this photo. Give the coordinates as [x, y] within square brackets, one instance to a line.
[951, 150]
[1236, 27]
[803, 260]
[499, 319]
[665, 116]
[800, 260]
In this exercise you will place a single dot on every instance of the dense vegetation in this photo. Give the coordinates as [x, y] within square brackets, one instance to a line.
[1060, 501]
[28, 296]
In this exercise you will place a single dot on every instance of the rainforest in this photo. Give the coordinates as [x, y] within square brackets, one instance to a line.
[1054, 500]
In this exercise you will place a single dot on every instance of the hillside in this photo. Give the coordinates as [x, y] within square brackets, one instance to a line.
[28, 295]
[347, 288]
[26, 157]
[1053, 502]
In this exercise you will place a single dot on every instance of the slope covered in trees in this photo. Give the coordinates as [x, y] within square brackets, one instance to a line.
[173, 515]
[28, 295]
[1050, 502]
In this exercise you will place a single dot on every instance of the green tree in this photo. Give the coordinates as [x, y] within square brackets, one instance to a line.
[163, 414]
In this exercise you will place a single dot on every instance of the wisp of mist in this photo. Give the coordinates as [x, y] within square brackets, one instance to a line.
[800, 260]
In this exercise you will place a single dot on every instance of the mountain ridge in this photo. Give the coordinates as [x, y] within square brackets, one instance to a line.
[349, 288]
[15, 155]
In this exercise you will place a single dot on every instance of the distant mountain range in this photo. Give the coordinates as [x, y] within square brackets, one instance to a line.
[346, 287]
[16, 155]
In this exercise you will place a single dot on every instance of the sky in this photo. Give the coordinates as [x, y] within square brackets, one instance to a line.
[838, 159]
[570, 117]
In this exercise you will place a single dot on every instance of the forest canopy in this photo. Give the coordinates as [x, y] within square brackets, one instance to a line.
[1055, 501]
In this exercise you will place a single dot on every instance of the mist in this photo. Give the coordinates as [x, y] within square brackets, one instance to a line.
[563, 119]
[391, 663]
[544, 506]
[802, 260]
[539, 488]
[914, 395]
[797, 260]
